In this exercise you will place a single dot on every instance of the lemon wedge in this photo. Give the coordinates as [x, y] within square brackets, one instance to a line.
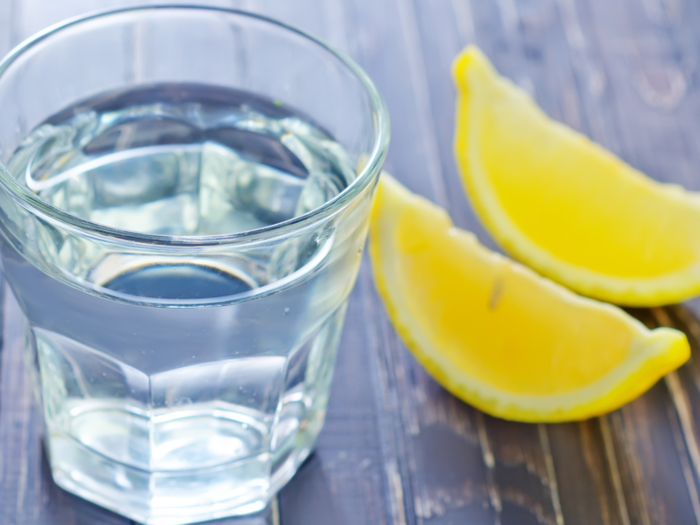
[496, 334]
[565, 206]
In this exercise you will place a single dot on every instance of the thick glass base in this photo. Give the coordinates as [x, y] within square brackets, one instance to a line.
[172, 498]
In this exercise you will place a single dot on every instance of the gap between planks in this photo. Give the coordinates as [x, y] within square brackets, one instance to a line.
[681, 403]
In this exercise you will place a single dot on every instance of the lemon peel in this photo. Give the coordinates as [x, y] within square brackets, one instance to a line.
[565, 206]
[499, 336]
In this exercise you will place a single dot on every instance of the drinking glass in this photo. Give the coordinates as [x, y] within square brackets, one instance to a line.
[184, 201]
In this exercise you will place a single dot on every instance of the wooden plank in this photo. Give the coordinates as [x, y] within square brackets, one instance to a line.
[32, 16]
[636, 125]
[645, 106]
[528, 44]
[386, 50]
[441, 39]
[6, 25]
[654, 102]
[5, 44]
[688, 377]
[439, 467]
[520, 459]
[589, 491]
[653, 468]
[344, 481]
[685, 394]
[654, 464]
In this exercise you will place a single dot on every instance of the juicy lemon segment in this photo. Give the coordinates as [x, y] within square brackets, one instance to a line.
[496, 334]
[564, 205]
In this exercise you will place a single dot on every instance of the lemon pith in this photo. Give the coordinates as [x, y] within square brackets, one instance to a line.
[564, 205]
[496, 334]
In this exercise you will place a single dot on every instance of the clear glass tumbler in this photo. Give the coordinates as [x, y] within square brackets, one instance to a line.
[184, 201]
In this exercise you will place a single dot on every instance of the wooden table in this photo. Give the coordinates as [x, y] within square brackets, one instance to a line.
[397, 449]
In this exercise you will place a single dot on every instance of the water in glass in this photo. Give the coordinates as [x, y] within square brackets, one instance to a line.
[188, 384]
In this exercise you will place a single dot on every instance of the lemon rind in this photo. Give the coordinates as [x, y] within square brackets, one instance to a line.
[653, 354]
[642, 292]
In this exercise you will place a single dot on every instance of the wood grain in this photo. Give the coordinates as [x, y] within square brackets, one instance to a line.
[6, 37]
[524, 489]
[397, 449]
[344, 481]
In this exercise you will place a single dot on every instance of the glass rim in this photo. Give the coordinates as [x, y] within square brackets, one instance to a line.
[65, 220]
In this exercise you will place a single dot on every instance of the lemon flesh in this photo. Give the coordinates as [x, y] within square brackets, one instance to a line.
[565, 206]
[496, 334]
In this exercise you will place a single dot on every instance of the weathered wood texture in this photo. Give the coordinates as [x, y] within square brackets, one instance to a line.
[397, 449]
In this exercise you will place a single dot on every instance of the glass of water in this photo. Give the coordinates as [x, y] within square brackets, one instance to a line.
[184, 202]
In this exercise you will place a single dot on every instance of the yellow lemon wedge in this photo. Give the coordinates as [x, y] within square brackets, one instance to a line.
[497, 335]
[565, 206]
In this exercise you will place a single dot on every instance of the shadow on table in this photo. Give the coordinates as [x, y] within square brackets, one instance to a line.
[309, 499]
